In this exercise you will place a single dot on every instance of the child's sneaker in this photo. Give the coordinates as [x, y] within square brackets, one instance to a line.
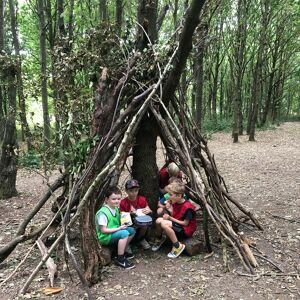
[159, 243]
[145, 245]
[128, 255]
[175, 252]
[124, 263]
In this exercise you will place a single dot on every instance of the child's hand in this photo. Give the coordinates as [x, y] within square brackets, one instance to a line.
[122, 227]
[146, 210]
[168, 204]
[166, 217]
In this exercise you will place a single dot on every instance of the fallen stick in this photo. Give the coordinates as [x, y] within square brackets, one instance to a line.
[268, 274]
[51, 266]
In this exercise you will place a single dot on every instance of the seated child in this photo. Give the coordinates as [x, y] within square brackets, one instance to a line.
[164, 204]
[110, 231]
[181, 224]
[134, 202]
[165, 173]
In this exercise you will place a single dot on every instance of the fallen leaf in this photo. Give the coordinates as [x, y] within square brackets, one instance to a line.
[51, 290]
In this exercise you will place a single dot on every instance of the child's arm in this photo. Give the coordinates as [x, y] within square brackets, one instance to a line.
[185, 222]
[104, 229]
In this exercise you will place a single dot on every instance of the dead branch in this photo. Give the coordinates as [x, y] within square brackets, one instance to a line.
[51, 266]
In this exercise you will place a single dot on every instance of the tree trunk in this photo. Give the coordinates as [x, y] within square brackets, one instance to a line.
[239, 65]
[199, 75]
[43, 60]
[257, 74]
[119, 16]
[144, 167]
[24, 124]
[8, 146]
[103, 10]
[2, 103]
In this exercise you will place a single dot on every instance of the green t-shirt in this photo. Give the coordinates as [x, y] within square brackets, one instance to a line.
[112, 222]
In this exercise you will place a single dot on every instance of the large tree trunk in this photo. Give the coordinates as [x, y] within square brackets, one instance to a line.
[144, 166]
[8, 146]
[43, 60]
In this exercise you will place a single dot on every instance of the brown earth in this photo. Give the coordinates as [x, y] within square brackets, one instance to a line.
[263, 175]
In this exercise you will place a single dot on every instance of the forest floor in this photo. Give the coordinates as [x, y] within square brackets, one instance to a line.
[263, 175]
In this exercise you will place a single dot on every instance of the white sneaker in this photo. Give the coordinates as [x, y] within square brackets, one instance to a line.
[128, 249]
[145, 245]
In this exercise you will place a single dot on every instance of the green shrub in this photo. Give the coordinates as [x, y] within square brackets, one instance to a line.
[29, 159]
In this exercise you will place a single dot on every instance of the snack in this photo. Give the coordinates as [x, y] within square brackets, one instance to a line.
[126, 218]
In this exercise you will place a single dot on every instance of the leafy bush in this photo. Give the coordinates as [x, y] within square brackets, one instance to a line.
[29, 159]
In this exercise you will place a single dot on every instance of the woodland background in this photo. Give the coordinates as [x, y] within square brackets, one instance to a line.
[69, 69]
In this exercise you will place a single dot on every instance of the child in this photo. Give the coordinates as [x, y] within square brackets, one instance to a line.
[109, 230]
[165, 173]
[181, 224]
[164, 204]
[134, 202]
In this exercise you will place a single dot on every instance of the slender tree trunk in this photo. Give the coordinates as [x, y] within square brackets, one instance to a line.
[43, 60]
[119, 16]
[24, 124]
[257, 74]
[103, 10]
[199, 75]
[2, 102]
[239, 65]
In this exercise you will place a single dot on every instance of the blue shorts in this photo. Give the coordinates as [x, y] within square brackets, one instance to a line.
[121, 234]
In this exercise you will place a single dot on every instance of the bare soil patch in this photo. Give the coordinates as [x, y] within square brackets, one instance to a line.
[263, 175]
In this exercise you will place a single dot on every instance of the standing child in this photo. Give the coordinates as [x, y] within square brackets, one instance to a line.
[110, 231]
[135, 203]
[181, 224]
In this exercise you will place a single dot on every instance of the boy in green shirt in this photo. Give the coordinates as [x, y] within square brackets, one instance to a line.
[109, 229]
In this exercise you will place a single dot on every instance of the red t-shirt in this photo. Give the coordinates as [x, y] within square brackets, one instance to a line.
[163, 177]
[139, 202]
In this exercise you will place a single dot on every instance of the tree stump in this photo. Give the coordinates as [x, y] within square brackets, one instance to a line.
[193, 246]
[106, 255]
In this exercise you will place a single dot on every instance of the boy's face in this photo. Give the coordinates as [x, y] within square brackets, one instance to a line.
[113, 200]
[132, 193]
[174, 197]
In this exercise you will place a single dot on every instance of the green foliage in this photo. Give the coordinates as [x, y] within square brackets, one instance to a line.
[210, 126]
[30, 159]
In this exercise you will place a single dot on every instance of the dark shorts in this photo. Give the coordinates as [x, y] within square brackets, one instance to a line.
[179, 231]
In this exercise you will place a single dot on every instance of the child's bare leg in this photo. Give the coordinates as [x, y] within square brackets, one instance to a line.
[122, 243]
[167, 228]
[158, 229]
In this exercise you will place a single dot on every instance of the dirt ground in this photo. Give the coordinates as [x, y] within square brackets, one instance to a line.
[263, 175]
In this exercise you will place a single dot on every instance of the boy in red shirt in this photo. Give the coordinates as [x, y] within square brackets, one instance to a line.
[181, 224]
[132, 203]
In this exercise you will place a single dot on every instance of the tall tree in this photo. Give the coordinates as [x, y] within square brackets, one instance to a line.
[44, 77]
[258, 68]
[238, 66]
[20, 87]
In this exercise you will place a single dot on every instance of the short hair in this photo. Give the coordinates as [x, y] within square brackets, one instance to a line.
[173, 169]
[112, 190]
[175, 187]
